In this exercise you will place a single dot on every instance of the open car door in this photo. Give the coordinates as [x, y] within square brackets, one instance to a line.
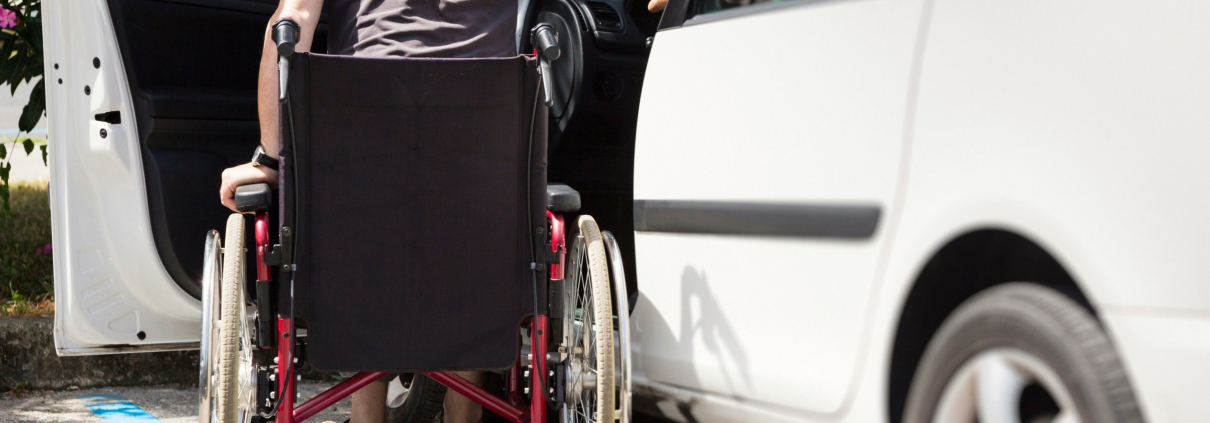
[148, 101]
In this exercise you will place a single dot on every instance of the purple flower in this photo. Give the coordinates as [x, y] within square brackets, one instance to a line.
[45, 249]
[8, 18]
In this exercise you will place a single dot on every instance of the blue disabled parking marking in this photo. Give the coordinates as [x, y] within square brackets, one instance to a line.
[116, 409]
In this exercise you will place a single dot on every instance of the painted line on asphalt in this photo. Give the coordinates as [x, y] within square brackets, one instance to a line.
[116, 409]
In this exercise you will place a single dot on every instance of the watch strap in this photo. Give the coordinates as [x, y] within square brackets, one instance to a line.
[262, 159]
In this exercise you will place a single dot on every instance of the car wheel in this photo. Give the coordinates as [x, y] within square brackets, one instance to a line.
[414, 398]
[1020, 352]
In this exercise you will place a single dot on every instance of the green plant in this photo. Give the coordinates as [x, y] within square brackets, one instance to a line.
[26, 265]
[20, 388]
[21, 62]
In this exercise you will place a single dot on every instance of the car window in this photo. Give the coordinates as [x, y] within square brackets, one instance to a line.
[701, 7]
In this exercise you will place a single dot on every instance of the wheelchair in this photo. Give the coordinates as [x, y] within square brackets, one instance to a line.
[439, 215]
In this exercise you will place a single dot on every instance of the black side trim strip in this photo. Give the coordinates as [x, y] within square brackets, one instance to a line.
[766, 219]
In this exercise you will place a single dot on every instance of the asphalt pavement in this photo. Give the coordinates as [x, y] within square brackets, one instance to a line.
[168, 404]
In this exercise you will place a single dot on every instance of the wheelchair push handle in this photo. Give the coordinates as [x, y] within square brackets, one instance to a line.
[286, 33]
[545, 39]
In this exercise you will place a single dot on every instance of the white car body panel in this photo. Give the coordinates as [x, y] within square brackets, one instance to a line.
[110, 285]
[1167, 357]
[1089, 136]
[819, 123]
[1018, 99]
[1082, 127]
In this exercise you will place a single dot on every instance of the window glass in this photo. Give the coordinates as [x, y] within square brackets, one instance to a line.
[708, 6]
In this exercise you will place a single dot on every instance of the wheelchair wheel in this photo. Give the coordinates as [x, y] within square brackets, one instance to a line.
[414, 398]
[621, 335]
[211, 286]
[229, 363]
[588, 328]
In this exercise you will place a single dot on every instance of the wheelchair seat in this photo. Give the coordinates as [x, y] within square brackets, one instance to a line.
[562, 198]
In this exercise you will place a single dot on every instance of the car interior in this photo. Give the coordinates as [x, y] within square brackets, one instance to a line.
[196, 114]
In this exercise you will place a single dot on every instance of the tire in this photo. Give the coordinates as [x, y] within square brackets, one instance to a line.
[589, 293]
[420, 404]
[230, 304]
[1021, 352]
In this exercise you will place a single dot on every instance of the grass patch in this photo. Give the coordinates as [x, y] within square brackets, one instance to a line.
[26, 270]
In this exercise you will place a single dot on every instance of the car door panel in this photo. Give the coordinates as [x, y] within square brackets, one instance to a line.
[191, 67]
[783, 110]
[131, 208]
[111, 290]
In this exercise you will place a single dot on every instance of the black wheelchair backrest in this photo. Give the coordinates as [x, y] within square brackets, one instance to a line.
[420, 183]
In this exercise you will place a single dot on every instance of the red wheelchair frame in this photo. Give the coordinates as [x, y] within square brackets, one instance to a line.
[512, 408]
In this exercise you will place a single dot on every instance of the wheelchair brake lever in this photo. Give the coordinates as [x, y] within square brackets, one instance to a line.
[283, 74]
[548, 83]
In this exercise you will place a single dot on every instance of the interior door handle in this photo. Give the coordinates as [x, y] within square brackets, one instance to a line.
[113, 118]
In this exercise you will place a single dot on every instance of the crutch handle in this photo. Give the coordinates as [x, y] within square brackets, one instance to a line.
[285, 35]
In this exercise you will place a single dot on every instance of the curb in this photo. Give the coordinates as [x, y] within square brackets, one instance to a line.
[28, 361]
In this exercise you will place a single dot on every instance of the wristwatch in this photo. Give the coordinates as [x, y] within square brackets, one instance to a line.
[259, 158]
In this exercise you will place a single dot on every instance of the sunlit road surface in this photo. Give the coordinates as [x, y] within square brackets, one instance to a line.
[166, 404]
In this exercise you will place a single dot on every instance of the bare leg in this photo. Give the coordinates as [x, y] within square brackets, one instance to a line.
[460, 409]
[369, 403]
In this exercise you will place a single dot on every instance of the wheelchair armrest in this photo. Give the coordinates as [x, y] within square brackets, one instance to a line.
[562, 198]
[254, 197]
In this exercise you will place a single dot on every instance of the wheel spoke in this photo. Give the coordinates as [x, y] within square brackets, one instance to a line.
[998, 389]
[582, 334]
[957, 403]
[1066, 417]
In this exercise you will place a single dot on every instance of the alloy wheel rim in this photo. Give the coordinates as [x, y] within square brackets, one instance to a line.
[1005, 385]
[397, 392]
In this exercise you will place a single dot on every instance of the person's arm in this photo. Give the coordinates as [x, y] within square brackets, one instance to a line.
[306, 14]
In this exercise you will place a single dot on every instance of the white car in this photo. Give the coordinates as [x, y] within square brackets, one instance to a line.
[832, 211]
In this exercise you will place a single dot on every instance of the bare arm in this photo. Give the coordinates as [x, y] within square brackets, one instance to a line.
[306, 14]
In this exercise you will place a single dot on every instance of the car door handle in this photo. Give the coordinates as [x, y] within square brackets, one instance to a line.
[113, 118]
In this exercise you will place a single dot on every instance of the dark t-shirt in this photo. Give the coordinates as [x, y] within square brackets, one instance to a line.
[422, 28]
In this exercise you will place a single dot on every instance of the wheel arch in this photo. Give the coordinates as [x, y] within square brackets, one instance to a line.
[967, 264]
